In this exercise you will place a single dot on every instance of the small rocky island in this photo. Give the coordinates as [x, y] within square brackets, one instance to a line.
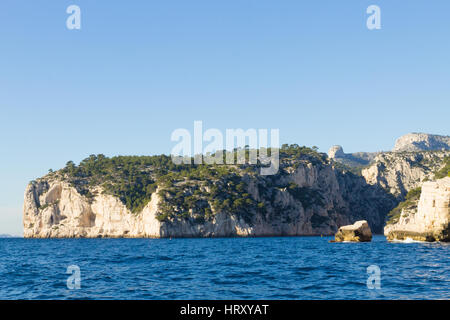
[403, 193]
[357, 232]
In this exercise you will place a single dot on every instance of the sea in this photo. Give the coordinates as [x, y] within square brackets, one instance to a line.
[280, 268]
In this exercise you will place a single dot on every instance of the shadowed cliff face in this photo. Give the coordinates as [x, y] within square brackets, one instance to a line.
[309, 196]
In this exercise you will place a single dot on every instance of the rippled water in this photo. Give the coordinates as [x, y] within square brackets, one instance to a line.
[237, 268]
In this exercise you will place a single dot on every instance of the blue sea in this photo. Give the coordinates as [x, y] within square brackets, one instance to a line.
[224, 268]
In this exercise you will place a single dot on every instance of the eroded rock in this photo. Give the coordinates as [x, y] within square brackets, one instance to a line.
[421, 142]
[357, 232]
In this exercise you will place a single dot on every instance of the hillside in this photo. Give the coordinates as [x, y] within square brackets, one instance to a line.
[422, 142]
[400, 172]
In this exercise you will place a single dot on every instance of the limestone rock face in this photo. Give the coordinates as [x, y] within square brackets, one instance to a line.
[358, 232]
[430, 222]
[421, 142]
[336, 152]
[397, 173]
[56, 210]
[356, 159]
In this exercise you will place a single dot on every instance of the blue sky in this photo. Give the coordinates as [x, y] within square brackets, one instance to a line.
[137, 70]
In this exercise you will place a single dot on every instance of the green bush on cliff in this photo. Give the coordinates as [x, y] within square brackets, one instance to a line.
[202, 199]
[410, 202]
[133, 179]
[445, 171]
[294, 151]
[128, 178]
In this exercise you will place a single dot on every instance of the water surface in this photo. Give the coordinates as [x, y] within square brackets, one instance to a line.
[233, 268]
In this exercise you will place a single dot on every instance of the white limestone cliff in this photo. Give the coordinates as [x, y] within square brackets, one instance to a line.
[336, 152]
[398, 173]
[421, 142]
[430, 221]
[56, 209]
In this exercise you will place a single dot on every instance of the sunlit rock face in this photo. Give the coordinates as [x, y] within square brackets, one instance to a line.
[336, 152]
[397, 173]
[56, 209]
[430, 221]
[357, 232]
[421, 142]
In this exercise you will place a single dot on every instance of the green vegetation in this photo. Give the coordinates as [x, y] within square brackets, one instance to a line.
[445, 171]
[307, 196]
[410, 202]
[295, 152]
[46, 205]
[131, 178]
[218, 191]
[345, 167]
[188, 190]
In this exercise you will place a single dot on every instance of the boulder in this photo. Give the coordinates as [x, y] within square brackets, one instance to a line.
[357, 232]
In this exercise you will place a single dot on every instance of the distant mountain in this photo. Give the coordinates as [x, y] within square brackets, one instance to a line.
[422, 142]
[416, 158]
[356, 159]
[5, 236]
[411, 142]
[400, 172]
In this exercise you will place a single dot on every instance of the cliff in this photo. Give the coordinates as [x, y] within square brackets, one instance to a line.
[421, 142]
[399, 172]
[425, 220]
[356, 159]
[152, 197]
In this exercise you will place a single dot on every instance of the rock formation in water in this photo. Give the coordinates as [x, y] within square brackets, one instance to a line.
[152, 197]
[427, 219]
[422, 142]
[357, 232]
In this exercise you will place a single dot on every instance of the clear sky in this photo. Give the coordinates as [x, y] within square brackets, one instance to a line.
[137, 70]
